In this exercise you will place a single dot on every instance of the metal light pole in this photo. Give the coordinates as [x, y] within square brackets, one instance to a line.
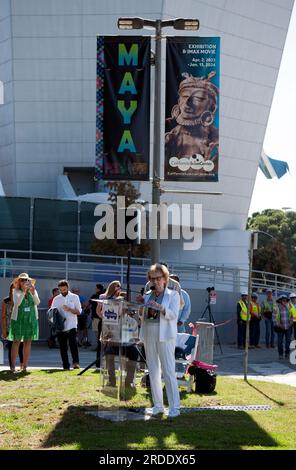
[253, 246]
[251, 251]
[155, 243]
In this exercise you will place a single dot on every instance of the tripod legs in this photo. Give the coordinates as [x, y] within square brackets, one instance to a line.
[212, 320]
[88, 367]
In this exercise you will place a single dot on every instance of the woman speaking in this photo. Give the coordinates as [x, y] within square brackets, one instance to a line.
[159, 332]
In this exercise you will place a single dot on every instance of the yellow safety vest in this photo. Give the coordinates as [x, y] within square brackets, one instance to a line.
[292, 310]
[255, 309]
[244, 311]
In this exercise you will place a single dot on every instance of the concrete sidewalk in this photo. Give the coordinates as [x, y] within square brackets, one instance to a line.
[44, 358]
[263, 363]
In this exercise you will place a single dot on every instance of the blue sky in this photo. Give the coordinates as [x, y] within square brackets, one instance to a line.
[280, 137]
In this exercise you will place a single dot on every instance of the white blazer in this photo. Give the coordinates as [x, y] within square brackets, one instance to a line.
[168, 322]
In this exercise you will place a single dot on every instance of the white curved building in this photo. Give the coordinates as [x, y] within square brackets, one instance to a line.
[48, 119]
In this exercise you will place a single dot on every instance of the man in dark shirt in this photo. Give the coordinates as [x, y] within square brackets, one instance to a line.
[6, 310]
[97, 321]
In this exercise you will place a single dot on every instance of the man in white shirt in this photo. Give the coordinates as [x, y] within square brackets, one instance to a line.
[68, 304]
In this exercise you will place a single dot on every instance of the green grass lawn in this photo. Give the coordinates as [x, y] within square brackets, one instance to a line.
[46, 410]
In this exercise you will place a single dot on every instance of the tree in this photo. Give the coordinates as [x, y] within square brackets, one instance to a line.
[273, 257]
[277, 255]
[112, 247]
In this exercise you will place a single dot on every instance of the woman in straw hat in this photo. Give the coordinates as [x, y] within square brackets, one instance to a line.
[24, 317]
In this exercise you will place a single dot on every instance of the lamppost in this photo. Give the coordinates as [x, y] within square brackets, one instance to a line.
[253, 246]
[139, 23]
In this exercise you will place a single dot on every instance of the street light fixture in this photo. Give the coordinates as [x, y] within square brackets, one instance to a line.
[184, 24]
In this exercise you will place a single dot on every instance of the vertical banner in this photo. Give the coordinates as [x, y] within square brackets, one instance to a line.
[192, 108]
[123, 108]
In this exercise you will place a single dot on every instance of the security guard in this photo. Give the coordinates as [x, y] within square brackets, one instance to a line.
[292, 308]
[255, 312]
[242, 314]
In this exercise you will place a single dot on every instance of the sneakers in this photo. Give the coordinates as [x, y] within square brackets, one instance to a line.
[76, 365]
[154, 411]
[174, 413]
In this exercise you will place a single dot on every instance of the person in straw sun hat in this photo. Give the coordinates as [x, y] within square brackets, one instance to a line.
[24, 317]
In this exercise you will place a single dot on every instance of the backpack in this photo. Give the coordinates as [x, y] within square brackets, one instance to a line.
[56, 320]
[205, 376]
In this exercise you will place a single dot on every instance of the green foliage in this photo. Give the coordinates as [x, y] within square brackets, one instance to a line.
[277, 255]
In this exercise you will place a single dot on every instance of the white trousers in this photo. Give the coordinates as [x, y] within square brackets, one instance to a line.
[160, 356]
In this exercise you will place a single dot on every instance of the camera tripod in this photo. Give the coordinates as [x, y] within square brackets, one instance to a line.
[212, 320]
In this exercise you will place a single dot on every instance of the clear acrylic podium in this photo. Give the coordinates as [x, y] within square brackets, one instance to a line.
[119, 351]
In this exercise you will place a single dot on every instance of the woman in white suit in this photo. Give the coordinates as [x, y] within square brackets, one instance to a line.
[159, 334]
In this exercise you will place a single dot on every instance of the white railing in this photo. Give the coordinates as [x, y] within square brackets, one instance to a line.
[42, 264]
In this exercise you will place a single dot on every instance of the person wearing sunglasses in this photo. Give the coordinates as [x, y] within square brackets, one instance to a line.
[114, 291]
[159, 333]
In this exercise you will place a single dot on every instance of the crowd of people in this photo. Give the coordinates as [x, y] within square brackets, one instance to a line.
[279, 316]
[165, 312]
[162, 293]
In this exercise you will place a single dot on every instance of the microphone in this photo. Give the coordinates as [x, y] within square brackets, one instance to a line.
[152, 288]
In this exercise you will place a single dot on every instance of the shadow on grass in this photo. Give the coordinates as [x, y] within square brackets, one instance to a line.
[279, 403]
[54, 371]
[8, 376]
[197, 430]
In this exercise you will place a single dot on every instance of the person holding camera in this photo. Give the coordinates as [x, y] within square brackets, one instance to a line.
[24, 318]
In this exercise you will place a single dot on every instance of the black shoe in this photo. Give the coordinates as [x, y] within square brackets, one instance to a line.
[111, 384]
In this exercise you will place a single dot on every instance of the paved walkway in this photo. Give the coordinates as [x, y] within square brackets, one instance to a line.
[263, 363]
